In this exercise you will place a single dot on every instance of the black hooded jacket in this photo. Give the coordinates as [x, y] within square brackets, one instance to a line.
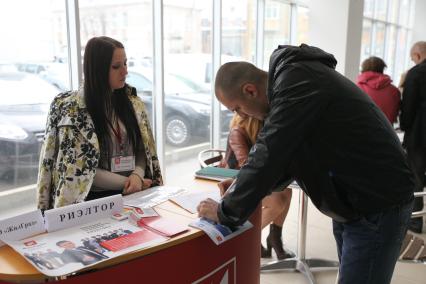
[325, 133]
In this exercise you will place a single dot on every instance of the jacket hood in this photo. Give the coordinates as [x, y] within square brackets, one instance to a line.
[287, 54]
[374, 80]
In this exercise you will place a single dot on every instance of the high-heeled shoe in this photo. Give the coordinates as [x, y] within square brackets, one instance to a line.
[273, 241]
[265, 253]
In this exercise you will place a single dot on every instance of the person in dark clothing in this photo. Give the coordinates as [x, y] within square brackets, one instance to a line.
[321, 130]
[81, 255]
[413, 123]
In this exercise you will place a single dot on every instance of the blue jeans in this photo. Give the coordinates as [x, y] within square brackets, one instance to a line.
[368, 248]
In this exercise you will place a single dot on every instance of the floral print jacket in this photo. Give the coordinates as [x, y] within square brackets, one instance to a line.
[70, 151]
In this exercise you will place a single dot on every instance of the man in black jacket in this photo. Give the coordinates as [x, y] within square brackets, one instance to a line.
[413, 122]
[323, 131]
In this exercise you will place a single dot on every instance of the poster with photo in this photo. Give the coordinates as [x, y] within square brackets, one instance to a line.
[66, 251]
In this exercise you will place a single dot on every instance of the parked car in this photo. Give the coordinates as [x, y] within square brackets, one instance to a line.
[187, 106]
[23, 110]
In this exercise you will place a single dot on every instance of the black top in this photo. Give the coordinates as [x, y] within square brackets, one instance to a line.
[325, 133]
[413, 109]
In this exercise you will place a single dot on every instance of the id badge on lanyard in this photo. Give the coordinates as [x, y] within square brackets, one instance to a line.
[121, 162]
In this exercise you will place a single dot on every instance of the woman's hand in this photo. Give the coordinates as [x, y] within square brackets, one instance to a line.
[135, 183]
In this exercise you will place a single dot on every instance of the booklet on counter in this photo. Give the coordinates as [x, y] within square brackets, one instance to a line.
[217, 232]
[159, 225]
[215, 173]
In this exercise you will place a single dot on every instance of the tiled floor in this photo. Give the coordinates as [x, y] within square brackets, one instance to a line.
[320, 244]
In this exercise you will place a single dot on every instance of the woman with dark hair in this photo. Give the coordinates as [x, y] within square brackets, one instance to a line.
[379, 87]
[98, 140]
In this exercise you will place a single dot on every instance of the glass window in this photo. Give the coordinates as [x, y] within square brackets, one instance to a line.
[388, 32]
[366, 39]
[390, 49]
[238, 30]
[369, 8]
[400, 54]
[404, 12]
[187, 82]
[277, 31]
[130, 23]
[379, 39]
[33, 69]
[302, 25]
[393, 11]
[272, 11]
[381, 7]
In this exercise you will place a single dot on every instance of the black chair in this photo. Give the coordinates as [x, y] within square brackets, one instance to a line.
[210, 157]
[413, 247]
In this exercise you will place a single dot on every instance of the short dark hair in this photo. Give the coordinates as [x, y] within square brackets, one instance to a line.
[233, 75]
[373, 63]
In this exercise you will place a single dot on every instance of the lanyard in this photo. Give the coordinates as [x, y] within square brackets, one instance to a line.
[117, 134]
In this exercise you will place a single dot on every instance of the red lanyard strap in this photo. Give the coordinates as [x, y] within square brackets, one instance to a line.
[117, 133]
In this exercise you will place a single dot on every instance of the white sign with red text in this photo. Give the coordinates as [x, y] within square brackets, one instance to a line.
[22, 226]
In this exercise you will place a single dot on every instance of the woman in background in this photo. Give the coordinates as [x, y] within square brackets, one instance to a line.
[98, 140]
[379, 87]
[275, 206]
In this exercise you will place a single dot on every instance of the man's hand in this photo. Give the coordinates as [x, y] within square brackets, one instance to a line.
[208, 209]
[224, 185]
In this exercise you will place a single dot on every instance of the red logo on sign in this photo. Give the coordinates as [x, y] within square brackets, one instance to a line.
[30, 243]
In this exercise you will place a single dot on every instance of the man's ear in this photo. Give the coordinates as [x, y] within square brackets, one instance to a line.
[250, 90]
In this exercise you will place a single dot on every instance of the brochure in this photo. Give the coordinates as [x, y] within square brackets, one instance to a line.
[66, 251]
[219, 233]
[158, 225]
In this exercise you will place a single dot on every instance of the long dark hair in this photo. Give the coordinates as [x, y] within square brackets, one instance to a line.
[101, 102]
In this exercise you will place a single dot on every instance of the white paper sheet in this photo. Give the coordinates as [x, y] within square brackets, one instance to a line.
[152, 196]
[190, 200]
